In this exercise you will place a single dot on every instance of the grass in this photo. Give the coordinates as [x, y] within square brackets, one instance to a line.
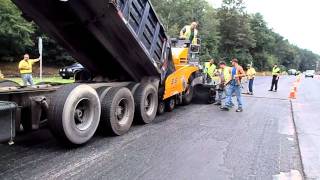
[53, 79]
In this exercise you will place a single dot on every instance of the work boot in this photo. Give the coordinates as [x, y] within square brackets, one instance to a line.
[224, 108]
[270, 90]
[217, 103]
[239, 110]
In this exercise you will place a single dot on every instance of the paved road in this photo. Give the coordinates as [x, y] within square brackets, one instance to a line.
[193, 142]
[307, 119]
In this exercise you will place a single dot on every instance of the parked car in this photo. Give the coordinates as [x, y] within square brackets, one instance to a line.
[310, 73]
[69, 71]
[293, 72]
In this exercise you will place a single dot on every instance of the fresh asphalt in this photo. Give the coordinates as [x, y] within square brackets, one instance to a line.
[193, 142]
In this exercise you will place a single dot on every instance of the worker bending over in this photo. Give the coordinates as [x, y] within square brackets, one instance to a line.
[225, 76]
[190, 32]
[25, 67]
[275, 77]
[251, 72]
[234, 86]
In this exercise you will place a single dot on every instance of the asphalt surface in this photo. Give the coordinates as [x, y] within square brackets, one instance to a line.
[307, 119]
[193, 142]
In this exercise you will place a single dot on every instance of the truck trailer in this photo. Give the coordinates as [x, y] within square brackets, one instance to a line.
[133, 71]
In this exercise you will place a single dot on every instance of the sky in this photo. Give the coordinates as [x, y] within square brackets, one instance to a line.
[296, 20]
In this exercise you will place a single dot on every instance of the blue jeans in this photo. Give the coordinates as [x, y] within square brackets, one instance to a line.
[233, 88]
[251, 85]
[27, 79]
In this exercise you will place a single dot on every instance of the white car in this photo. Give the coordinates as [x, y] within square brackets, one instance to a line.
[310, 73]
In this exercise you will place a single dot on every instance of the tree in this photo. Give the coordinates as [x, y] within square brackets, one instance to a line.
[15, 32]
[236, 35]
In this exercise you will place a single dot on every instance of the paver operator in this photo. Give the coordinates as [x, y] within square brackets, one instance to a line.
[190, 32]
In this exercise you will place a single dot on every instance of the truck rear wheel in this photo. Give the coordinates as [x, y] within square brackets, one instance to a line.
[8, 83]
[117, 111]
[161, 108]
[146, 101]
[74, 113]
[170, 104]
[188, 95]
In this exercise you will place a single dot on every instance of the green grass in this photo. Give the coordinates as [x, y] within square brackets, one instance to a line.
[53, 79]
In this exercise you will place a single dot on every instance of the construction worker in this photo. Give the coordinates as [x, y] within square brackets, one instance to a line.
[190, 32]
[251, 72]
[275, 77]
[209, 70]
[234, 86]
[225, 76]
[25, 67]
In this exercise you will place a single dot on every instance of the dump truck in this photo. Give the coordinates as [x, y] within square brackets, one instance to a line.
[133, 71]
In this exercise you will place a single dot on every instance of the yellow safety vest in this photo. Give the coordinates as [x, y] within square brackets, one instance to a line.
[251, 72]
[227, 74]
[275, 71]
[27, 66]
[187, 34]
[210, 69]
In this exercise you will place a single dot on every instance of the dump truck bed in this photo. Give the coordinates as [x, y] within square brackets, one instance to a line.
[117, 39]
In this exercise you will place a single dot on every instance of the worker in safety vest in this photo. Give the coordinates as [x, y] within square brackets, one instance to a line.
[190, 32]
[275, 77]
[209, 70]
[225, 76]
[251, 72]
[25, 67]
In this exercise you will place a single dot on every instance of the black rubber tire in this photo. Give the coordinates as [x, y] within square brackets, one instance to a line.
[146, 93]
[109, 121]
[133, 87]
[188, 95]
[8, 83]
[170, 104]
[161, 108]
[62, 113]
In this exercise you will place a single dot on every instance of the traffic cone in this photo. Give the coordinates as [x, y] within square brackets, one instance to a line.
[295, 87]
[292, 94]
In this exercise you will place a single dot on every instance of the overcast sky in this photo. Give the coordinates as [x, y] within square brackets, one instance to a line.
[296, 20]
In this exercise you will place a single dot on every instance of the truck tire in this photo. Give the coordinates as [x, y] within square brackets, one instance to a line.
[146, 103]
[161, 108]
[8, 83]
[133, 87]
[74, 113]
[188, 94]
[117, 111]
[170, 104]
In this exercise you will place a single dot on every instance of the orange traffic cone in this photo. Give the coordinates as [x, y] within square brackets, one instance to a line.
[295, 86]
[292, 94]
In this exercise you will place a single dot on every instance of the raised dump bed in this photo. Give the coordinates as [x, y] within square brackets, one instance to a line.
[118, 39]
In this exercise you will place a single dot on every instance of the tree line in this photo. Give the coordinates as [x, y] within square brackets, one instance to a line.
[226, 32]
